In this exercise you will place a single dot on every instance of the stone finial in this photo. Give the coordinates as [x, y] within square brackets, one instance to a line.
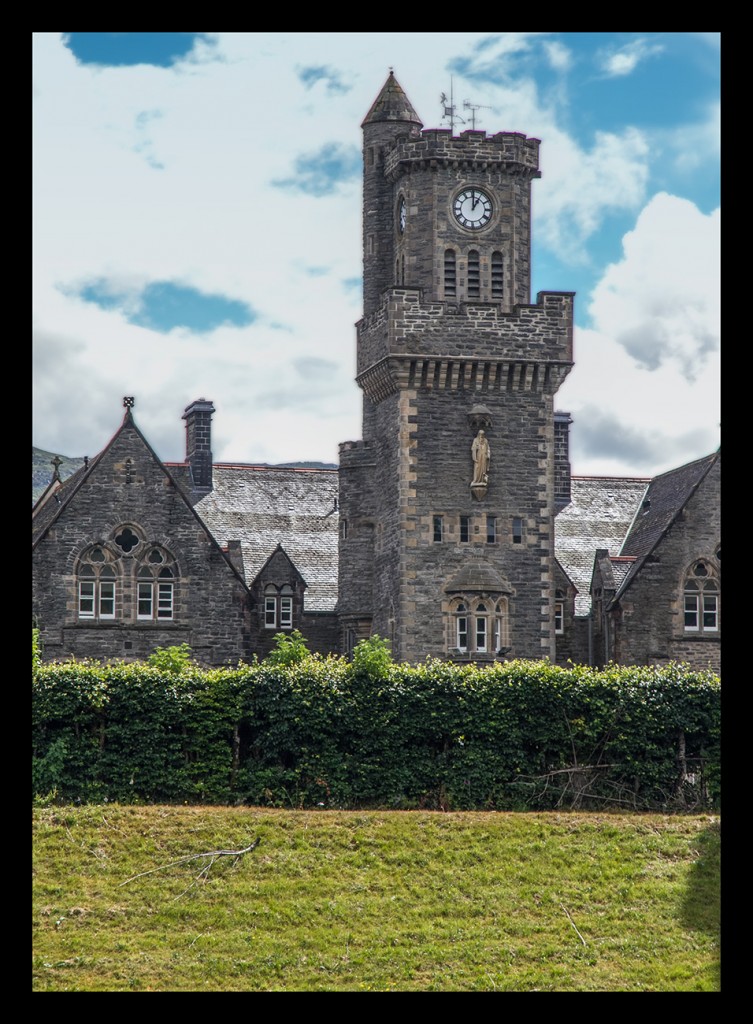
[128, 402]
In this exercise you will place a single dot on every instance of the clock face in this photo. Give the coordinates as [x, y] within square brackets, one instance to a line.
[472, 208]
[401, 215]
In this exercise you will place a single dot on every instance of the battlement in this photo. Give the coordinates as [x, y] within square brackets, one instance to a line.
[406, 325]
[356, 454]
[438, 146]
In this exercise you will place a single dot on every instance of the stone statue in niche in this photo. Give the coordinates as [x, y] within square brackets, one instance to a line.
[481, 455]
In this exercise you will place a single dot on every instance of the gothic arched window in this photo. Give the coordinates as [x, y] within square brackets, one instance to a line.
[97, 585]
[156, 581]
[478, 625]
[701, 593]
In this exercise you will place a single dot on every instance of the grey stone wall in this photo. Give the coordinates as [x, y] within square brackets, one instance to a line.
[423, 468]
[649, 625]
[428, 172]
[128, 486]
[424, 359]
[481, 332]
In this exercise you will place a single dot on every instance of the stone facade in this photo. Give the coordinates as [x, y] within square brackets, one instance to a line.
[450, 340]
[410, 538]
[124, 515]
[680, 557]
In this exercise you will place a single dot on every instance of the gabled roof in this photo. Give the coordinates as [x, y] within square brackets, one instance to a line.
[665, 498]
[621, 566]
[598, 516]
[612, 569]
[280, 552]
[44, 515]
[50, 505]
[263, 506]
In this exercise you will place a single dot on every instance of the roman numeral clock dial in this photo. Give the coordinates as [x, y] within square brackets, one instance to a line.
[472, 208]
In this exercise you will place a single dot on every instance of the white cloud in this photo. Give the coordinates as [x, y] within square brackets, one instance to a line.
[580, 187]
[559, 56]
[661, 301]
[653, 313]
[623, 61]
[232, 120]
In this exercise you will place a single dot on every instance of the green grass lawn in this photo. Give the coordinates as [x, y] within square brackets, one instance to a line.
[373, 901]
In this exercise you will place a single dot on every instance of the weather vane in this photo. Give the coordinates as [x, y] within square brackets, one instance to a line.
[450, 113]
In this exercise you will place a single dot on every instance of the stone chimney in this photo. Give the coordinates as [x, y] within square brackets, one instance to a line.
[198, 417]
[562, 496]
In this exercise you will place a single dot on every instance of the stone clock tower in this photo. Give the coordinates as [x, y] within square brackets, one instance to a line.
[447, 504]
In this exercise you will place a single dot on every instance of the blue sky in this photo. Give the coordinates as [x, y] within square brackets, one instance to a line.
[197, 229]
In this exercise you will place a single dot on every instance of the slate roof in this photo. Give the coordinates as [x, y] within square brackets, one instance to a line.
[263, 506]
[665, 498]
[620, 568]
[599, 515]
[392, 105]
[44, 512]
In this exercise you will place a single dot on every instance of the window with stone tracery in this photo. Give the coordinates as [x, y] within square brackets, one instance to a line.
[97, 585]
[477, 625]
[140, 587]
[701, 594]
[156, 577]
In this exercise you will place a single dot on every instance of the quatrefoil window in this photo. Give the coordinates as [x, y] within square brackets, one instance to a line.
[126, 540]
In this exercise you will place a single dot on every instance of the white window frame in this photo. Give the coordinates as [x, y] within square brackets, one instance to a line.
[278, 606]
[477, 626]
[481, 632]
[107, 592]
[700, 600]
[711, 612]
[145, 596]
[461, 632]
[270, 612]
[165, 599]
[437, 529]
[102, 593]
[89, 598]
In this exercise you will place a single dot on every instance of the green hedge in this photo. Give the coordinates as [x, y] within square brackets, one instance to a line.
[323, 732]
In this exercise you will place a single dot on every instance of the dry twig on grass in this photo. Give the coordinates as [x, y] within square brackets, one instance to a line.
[211, 854]
[569, 917]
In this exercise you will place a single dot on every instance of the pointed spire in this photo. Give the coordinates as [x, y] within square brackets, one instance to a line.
[392, 105]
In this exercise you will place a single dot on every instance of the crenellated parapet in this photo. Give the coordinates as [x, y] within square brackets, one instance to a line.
[471, 150]
[409, 343]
